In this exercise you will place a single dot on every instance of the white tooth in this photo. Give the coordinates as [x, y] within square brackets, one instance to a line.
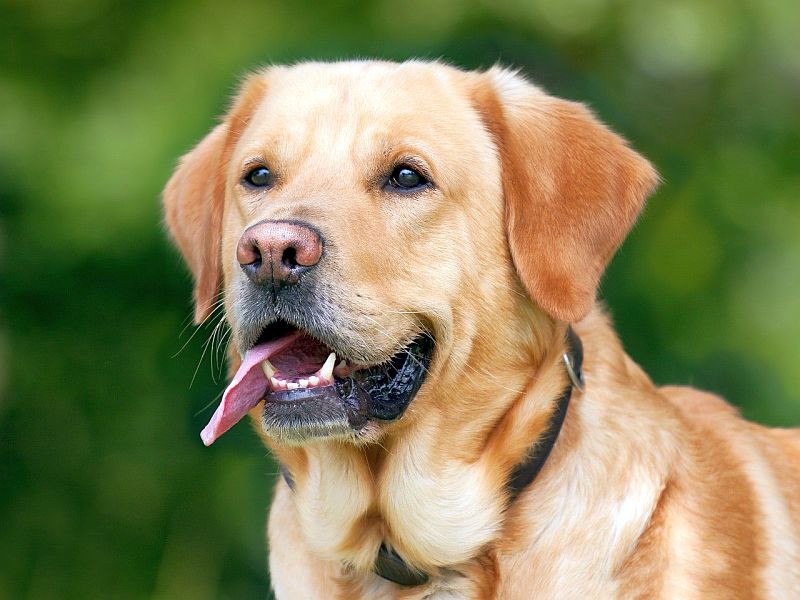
[342, 364]
[282, 383]
[313, 380]
[303, 383]
[268, 369]
[326, 372]
[275, 383]
[292, 385]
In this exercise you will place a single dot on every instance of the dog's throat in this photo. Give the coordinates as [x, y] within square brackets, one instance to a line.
[392, 567]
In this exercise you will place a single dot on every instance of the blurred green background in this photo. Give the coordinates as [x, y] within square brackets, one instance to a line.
[105, 488]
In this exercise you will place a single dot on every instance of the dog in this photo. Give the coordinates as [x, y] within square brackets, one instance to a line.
[409, 256]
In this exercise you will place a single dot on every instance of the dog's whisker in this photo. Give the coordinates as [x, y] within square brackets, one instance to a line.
[199, 362]
[222, 350]
[215, 336]
[187, 342]
[381, 330]
[220, 300]
[202, 324]
[220, 332]
[210, 403]
[416, 361]
[223, 342]
[187, 321]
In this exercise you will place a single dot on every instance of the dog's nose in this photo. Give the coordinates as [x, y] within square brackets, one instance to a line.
[278, 252]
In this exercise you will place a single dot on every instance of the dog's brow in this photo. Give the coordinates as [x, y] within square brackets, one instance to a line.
[253, 160]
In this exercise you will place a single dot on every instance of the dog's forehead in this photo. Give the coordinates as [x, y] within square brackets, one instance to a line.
[348, 90]
[324, 105]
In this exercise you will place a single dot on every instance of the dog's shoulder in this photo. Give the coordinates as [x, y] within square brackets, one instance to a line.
[746, 479]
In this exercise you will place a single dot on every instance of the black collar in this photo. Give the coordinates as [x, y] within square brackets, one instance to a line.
[389, 565]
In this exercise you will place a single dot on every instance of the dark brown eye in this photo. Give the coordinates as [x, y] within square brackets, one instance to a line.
[406, 178]
[259, 177]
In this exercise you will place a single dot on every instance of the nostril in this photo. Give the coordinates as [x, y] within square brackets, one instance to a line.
[255, 256]
[247, 251]
[289, 257]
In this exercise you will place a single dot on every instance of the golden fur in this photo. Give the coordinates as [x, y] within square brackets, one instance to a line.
[649, 492]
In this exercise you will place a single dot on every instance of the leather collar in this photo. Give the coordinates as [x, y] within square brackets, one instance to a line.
[391, 566]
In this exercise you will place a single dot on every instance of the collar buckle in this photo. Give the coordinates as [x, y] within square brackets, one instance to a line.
[391, 566]
[576, 377]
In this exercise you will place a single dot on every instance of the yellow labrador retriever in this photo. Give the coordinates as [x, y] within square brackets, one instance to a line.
[410, 255]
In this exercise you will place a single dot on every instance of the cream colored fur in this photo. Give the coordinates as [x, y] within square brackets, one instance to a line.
[649, 492]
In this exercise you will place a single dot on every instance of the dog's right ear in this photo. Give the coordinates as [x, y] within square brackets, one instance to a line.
[194, 197]
[193, 201]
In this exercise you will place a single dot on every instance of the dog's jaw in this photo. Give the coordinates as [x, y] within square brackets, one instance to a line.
[440, 504]
[305, 395]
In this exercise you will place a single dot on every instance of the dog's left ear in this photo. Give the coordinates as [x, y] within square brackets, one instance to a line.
[194, 197]
[572, 187]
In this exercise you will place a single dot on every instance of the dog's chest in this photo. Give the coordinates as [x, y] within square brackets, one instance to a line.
[346, 509]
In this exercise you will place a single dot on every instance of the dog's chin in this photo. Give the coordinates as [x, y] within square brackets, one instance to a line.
[350, 403]
[317, 416]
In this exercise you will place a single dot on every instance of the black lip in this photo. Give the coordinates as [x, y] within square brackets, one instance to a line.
[382, 393]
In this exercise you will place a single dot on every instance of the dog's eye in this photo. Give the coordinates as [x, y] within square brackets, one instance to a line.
[258, 177]
[406, 178]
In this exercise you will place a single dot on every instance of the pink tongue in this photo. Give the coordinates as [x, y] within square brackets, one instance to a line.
[246, 389]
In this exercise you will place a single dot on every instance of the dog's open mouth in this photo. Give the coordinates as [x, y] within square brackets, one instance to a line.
[309, 391]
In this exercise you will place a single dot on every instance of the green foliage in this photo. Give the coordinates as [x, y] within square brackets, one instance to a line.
[105, 489]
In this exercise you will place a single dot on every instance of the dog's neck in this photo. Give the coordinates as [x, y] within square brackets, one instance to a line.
[440, 499]
[436, 500]
[391, 566]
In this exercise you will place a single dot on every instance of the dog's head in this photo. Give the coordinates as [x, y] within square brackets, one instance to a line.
[383, 230]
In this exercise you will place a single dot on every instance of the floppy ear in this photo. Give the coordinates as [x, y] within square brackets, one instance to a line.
[193, 201]
[572, 187]
[194, 198]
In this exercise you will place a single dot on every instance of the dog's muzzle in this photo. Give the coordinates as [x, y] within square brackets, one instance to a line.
[307, 394]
